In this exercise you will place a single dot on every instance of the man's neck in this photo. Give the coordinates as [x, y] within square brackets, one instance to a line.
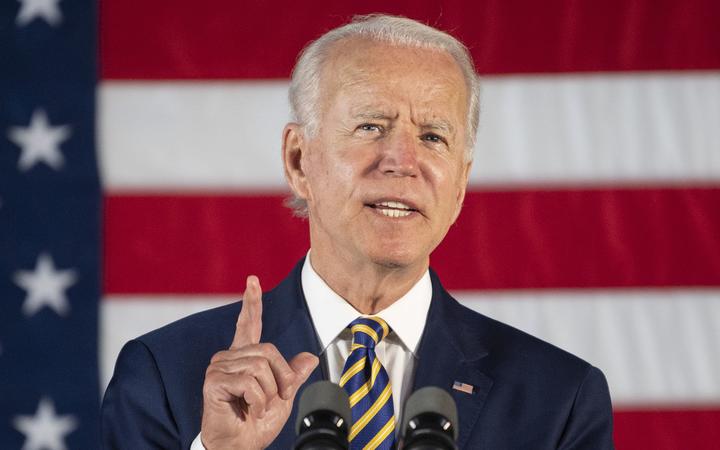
[367, 286]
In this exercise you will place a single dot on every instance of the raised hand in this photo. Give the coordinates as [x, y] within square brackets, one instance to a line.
[249, 389]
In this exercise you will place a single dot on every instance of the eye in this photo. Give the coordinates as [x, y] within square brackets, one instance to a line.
[370, 128]
[433, 138]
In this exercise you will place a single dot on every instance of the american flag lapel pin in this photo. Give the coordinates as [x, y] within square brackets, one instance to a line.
[463, 387]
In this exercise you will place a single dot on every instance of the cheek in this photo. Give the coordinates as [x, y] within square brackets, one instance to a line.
[330, 181]
[440, 174]
[447, 181]
[337, 171]
[317, 169]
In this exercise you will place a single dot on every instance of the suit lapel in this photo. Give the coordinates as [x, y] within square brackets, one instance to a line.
[287, 324]
[286, 320]
[298, 337]
[448, 353]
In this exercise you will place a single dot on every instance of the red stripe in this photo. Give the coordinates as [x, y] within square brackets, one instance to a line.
[503, 240]
[198, 244]
[696, 429]
[584, 239]
[179, 39]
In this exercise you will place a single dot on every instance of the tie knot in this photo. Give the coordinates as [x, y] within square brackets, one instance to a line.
[368, 331]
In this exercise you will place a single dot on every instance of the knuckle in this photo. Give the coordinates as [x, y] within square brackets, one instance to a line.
[211, 371]
[210, 384]
[268, 349]
[207, 387]
[213, 377]
[219, 356]
[250, 386]
[244, 379]
[265, 347]
[258, 364]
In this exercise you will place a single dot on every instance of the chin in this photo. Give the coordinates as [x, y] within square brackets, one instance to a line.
[396, 258]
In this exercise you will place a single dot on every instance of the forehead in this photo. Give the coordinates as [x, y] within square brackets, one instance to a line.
[380, 73]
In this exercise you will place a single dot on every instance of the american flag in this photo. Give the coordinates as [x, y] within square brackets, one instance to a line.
[463, 387]
[592, 218]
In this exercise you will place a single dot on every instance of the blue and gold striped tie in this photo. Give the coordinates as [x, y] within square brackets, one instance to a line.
[368, 385]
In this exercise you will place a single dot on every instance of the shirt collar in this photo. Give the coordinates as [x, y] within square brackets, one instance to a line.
[330, 313]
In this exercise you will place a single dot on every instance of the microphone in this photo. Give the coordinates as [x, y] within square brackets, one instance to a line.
[324, 418]
[430, 420]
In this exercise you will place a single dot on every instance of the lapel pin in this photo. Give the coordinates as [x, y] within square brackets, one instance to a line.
[463, 387]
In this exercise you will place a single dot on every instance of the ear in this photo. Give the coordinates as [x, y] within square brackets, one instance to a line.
[463, 182]
[293, 152]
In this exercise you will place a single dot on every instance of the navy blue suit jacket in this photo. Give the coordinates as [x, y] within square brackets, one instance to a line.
[527, 394]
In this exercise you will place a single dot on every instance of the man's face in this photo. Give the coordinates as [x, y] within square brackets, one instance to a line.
[385, 175]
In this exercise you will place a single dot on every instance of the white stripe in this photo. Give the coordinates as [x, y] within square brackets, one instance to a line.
[546, 129]
[654, 346]
[192, 134]
[600, 128]
[126, 317]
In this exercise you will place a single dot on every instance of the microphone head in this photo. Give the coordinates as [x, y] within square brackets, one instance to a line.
[431, 400]
[323, 396]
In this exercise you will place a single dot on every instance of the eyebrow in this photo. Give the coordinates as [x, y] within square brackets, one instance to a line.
[436, 124]
[440, 125]
[375, 115]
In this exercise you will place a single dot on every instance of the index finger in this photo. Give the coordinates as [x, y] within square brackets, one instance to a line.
[249, 322]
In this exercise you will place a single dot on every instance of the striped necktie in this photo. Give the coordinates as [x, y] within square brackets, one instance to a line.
[368, 385]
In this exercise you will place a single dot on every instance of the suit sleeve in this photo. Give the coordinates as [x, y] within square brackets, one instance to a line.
[590, 423]
[135, 412]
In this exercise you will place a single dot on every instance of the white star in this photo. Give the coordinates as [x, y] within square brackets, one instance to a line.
[45, 286]
[45, 9]
[45, 430]
[39, 141]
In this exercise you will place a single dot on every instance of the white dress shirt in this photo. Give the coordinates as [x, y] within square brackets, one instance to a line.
[331, 314]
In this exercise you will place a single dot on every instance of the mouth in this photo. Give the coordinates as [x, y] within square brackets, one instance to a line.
[393, 209]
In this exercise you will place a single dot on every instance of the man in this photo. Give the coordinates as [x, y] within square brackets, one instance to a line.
[378, 159]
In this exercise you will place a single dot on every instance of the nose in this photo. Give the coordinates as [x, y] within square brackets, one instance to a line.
[399, 156]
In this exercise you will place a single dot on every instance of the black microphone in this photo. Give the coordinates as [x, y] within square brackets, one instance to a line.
[324, 418]
[430, 421]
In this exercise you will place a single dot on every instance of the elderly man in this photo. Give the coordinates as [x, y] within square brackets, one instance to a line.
[378, 159]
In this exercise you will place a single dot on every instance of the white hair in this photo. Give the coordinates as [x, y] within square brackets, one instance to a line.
[305, 86]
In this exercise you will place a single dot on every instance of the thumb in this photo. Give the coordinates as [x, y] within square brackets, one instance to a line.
[303, 365]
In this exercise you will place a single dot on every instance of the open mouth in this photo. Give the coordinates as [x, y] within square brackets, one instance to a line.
[393, 209]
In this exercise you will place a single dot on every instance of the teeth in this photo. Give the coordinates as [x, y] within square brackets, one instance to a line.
[396, 205]
[394, 212]
[394, 209]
